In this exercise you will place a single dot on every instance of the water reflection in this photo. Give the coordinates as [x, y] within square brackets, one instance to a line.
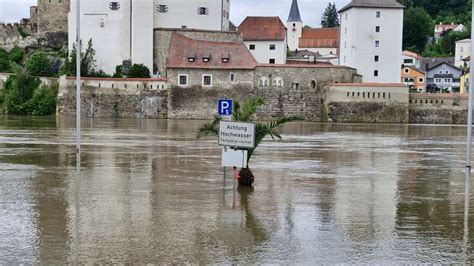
[149, 192]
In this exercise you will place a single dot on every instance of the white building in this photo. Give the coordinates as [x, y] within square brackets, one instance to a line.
[463, 50]
[202, 14]
[441, 28]
[123, 30]
[411, 59]
[371, 39]
[265, 37]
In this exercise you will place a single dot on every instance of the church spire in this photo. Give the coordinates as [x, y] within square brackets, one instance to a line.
[294, 12]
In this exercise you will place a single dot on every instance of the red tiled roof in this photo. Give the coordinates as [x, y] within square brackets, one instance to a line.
[182, 47]
[445, 27]
[411, 54]
[262, 29]
[320, 38]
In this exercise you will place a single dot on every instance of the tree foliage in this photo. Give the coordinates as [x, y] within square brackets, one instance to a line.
[4, 61]
[417, 29]
[39, 65]
[245, 113]
[23, 95]
[330, 18]
[88, 63]
[138, 71]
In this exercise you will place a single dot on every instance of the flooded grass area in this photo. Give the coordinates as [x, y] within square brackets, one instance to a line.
[150, 192]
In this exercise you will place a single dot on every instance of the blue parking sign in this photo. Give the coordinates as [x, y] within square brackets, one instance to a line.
[224, 107]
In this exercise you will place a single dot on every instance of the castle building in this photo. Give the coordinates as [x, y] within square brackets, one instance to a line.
[50, 15]
[124, 30]
[371, 39]
[265, 37]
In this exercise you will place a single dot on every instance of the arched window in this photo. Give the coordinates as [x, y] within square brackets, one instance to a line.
[313, 84]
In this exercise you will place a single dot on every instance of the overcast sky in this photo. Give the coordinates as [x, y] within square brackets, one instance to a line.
[311, 10]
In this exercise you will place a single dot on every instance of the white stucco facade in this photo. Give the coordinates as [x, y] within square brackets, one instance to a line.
[263, 54]
[125, 31]
[202, 14]
[294, 31]
[463, 50]
[377, 56]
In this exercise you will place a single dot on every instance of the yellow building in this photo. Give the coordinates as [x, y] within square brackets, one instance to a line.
[464, 83]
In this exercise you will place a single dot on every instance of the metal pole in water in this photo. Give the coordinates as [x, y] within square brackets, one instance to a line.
[78, 81]
[467, 181]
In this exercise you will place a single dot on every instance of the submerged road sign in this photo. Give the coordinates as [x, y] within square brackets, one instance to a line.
[237, 135]
[224, 107]
[231, 158]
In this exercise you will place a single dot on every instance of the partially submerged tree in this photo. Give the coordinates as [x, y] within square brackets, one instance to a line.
[245, 113]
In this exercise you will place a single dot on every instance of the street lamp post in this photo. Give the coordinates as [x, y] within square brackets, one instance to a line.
[78, 84]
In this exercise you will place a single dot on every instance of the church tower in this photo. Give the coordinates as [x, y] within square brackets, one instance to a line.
[294, 26]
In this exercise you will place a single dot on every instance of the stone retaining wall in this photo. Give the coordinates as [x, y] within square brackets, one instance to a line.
[438, 108]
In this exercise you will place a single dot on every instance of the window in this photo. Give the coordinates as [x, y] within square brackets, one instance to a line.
[272, 47]
[447, 80]
[345, 44]
[252, 46]
[162, 8]
[183, 80]
[407, 70]
[408, 61]
[206, 80]
[376, 73]
[313, 84]
[377, 14]
[447, 72]
[377, 43]
[202, 10]
[232, 77]
[295, 86]
[112, 5]
[272, 61]
[225, 58]
[346, 16]
[376, 58]
[377, 28]
[421, 80]
[345, 30]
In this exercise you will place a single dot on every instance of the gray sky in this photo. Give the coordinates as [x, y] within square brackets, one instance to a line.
[311, 10]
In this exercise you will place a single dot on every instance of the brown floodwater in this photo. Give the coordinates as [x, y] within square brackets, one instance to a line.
[149, 192]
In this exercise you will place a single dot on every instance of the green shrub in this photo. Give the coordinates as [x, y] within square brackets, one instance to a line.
[118, 72]
[44, 100]
[139, 71]
[39, 65]
[23, 33]
[16, 55]
[4, 61]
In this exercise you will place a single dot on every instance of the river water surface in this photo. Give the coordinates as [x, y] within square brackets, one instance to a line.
[149, 192]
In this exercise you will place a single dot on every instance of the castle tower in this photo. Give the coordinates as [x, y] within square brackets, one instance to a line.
[52, 15]
[294, 25]
[371, 39]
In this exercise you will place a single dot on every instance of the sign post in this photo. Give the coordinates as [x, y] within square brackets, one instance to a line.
[78, 85]
[224, 107]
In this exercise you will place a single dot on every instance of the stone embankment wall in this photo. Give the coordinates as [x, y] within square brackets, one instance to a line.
[367, 103]
[286, 90]
[120, 98]
[438, 108]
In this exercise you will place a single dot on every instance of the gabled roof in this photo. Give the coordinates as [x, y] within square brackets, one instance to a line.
[373, 4]
[294, 15]
[411, 54]
[181, 47]
[429, 62]
[415, 69]
[262, 29]
[445, 27]
[319, 38]
[443, 63]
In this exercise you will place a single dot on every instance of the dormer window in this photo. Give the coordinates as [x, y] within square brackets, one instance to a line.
[206, 57]
[192, 57]
[162, 8]
[225, 58]
[114, 5]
